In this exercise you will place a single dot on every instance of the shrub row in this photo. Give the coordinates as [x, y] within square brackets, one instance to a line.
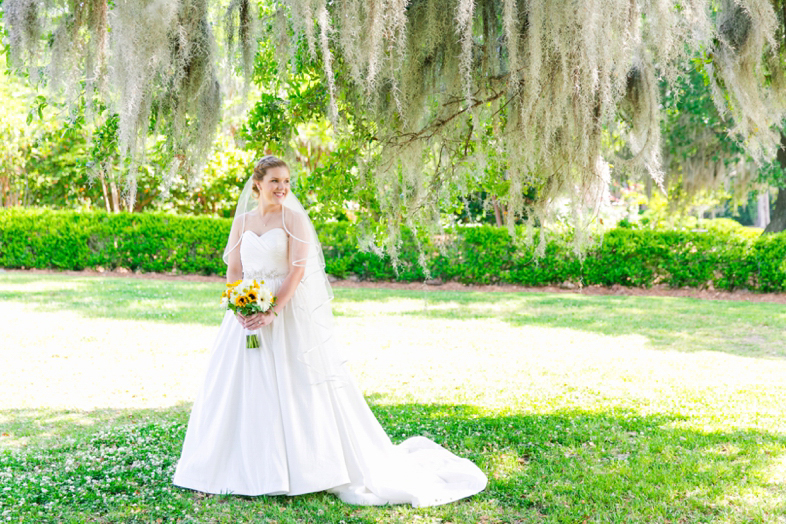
[726, 259]
[35, 238]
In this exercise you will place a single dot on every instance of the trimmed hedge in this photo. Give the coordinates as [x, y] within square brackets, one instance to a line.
[147, 242]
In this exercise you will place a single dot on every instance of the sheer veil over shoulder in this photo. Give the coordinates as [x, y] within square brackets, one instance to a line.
[287, 418]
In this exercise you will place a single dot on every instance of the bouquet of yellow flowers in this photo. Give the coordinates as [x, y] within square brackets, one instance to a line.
[247, 297]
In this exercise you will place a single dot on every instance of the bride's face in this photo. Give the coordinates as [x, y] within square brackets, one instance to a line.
[273, 189]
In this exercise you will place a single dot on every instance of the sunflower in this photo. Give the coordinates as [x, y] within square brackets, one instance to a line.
[252, 296]
[241, 301]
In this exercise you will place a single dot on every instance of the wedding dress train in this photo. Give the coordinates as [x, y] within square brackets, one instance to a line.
[262, 425]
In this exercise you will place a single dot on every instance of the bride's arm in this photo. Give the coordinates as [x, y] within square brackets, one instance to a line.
[234, 266]
[288, 287]
[298, 253]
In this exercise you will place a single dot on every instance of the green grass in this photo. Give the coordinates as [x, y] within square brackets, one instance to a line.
[579, 408]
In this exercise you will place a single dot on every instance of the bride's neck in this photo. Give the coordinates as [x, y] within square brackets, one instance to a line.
[265, 209]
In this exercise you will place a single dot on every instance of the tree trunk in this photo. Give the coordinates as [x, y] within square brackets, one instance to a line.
[131, 197]
[115, 196]
[27, 187]
[103, 190]
[778, 216]
[497, 214]
[10, 197]
[139, 205]
[763, 210]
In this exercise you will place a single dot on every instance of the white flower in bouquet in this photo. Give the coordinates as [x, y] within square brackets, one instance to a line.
[265, 299]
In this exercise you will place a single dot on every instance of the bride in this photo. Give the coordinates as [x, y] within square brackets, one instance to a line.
[287, 418]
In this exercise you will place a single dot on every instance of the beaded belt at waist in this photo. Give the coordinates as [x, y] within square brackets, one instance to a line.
[264, 274]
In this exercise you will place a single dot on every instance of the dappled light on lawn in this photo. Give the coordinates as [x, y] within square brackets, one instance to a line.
[493, 353]
[489, 363]
[64, 360]
[597, 409]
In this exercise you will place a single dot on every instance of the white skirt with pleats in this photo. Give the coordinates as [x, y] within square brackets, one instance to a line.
[261, 425]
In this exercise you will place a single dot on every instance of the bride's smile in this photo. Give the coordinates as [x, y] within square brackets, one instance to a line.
[274, 188]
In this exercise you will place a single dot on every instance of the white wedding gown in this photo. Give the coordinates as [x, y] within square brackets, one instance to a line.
[262, 426]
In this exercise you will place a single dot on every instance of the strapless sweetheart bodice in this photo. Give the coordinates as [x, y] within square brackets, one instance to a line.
[264, 256]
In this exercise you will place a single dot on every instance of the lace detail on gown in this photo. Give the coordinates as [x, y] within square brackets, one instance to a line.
[263, 425]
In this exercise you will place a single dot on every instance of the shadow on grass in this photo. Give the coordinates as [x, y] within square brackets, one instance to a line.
[685, 324]
[615, 466]
[609, 466]
[118, 298]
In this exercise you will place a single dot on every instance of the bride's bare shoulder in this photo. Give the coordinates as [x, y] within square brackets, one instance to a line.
[243, 221]
[295, 221]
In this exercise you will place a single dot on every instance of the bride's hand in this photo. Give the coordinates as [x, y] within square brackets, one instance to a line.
[258, 320]
[243, 320]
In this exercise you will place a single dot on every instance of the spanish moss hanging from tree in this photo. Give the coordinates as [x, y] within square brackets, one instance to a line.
[448, 83]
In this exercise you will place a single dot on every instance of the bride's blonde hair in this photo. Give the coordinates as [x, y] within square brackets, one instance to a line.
[260, 170]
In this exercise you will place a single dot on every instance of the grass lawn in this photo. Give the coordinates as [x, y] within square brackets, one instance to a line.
[578, 408]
